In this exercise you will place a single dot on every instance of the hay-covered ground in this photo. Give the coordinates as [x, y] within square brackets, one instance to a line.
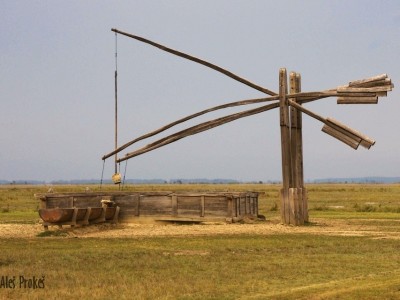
[384, 229]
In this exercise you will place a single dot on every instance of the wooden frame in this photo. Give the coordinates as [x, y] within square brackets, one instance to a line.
[294, 206]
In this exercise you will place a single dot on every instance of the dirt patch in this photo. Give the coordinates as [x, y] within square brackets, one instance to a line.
[317, 226]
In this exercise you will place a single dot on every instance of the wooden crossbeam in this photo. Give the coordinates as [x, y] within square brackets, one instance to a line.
[197, 129]
[198, 60]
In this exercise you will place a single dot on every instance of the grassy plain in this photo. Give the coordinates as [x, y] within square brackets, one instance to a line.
[287, 265]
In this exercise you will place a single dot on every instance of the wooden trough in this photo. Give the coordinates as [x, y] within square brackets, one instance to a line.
[139, 206]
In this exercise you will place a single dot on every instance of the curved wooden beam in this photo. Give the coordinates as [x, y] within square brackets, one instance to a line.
[197, 129]
[157, 131]
[198, 60]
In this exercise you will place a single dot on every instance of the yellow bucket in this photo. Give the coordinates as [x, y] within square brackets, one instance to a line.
[116, 178]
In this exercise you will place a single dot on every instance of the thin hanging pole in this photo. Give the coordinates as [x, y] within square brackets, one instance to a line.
[119, 172]
[102, 173]
[116, 103]
[123, 180]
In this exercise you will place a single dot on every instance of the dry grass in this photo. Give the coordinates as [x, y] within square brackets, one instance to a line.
[344, 253]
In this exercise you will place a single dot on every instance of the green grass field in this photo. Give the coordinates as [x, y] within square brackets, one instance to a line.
[287, 265]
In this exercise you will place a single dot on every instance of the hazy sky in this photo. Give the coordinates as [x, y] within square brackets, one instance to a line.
[57, 85]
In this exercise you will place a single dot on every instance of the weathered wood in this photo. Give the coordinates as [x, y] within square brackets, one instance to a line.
[198, 60]
[170, 125]
[285, 144]
[357, 100]
[285, 133]
[352, 142]
[307, 111]
[365, 141]
[215, 206]
[293, 132]
[299, 140]
[174, 204]
[202, 206]
[368, 80]
[53, 202]
[374, 89]
[197, 129]
[188, 205]
[296, 206]
[134, 206]
[54, 215]
[293, 204]
[381, 82]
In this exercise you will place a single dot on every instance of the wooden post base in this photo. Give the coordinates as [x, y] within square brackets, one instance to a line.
[294, 210]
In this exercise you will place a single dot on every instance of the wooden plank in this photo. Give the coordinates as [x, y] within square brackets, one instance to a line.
[299, 137]
[202, 206]
[375, 89]
[230, 206]
[285, 144]
[285, 131]
[64, 202]
[381, 82]
[353, 143]
[189, 206]
[155, 205]
[197, 129]
[292, 206]
[367, 141]
[294, 112]
[357, 100]
[215, 206]
[368, 80]
[87, 201]
[174, 203]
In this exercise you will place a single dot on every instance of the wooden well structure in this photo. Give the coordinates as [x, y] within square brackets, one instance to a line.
[289, 100]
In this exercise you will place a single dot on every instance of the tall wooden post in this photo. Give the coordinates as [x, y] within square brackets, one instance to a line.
[285, 147]
[299, 158]
[295, 191]
[294, 208]
[299, 192]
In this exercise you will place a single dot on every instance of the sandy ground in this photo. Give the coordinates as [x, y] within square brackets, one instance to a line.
[318, 227]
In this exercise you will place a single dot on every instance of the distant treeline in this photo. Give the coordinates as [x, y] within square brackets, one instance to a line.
[366, 180]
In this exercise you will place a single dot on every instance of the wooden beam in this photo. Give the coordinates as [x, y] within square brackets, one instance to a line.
[198, 60]
[170, 125]
[285, 146]
[357, 100]
[353, 143]
[374, 89]
[365, 141]
[197, 129]
[368, 80]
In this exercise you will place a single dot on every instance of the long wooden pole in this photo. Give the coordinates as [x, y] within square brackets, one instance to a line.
[170, 125]
[293, 132]
[197, 129]
[198, 60]
[116, 107]
[300, 98]
[285, 146]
